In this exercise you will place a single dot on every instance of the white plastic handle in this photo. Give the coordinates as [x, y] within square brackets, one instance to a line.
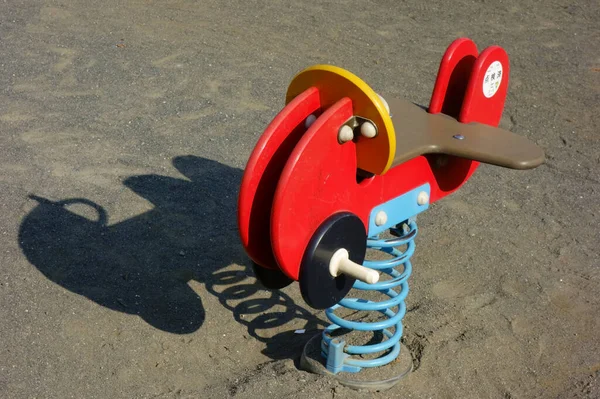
[340, 263]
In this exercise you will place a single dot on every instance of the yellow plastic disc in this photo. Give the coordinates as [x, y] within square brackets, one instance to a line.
[375, 154]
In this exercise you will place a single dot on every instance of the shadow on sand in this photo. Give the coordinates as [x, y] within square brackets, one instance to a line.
[142, 265]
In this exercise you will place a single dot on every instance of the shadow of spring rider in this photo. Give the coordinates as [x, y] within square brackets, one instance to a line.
[341, 170]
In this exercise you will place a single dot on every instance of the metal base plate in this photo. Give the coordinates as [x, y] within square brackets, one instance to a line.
[369, 379]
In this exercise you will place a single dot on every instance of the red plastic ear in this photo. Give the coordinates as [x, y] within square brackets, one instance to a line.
[453, 76]
[486, 92]
[447, 97]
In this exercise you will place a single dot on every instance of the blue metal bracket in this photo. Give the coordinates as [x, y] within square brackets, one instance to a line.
[336, 358]
[398, 210]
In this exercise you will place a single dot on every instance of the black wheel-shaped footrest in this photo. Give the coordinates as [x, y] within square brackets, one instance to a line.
[319, 288]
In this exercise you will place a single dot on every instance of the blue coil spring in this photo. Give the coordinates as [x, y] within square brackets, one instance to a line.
[338, 354]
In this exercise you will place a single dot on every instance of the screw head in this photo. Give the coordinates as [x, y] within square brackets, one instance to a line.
[458, 137]
[422, 198]
[309, 120]
[381, 218]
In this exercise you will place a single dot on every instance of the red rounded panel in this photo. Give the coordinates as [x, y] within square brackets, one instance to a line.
[262, 174]
[313, 185]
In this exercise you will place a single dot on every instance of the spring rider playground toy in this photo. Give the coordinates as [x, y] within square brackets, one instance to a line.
[341, 170]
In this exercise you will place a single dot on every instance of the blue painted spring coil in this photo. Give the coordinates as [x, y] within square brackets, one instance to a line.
[338, 354]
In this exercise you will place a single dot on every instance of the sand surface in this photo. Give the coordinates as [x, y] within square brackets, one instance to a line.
[124, 130]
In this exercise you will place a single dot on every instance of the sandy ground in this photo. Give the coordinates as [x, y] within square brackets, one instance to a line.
[124, 130]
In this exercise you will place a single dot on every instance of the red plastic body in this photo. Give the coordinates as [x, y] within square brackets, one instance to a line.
[319, 180]
[296, 178]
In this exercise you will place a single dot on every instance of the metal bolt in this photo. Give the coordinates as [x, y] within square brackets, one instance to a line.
[381, 218]
[458, 137]
[310, 120]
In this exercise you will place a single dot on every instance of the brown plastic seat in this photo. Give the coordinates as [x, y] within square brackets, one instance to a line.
[419, 132]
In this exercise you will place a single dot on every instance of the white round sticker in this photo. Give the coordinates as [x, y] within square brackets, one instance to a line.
[492, 79]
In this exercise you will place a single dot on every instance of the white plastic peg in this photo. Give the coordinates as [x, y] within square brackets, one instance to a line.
[385, 103]
[422, 198]
[380, 218]
[345, 134]
[340, 263]
[368, 130]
